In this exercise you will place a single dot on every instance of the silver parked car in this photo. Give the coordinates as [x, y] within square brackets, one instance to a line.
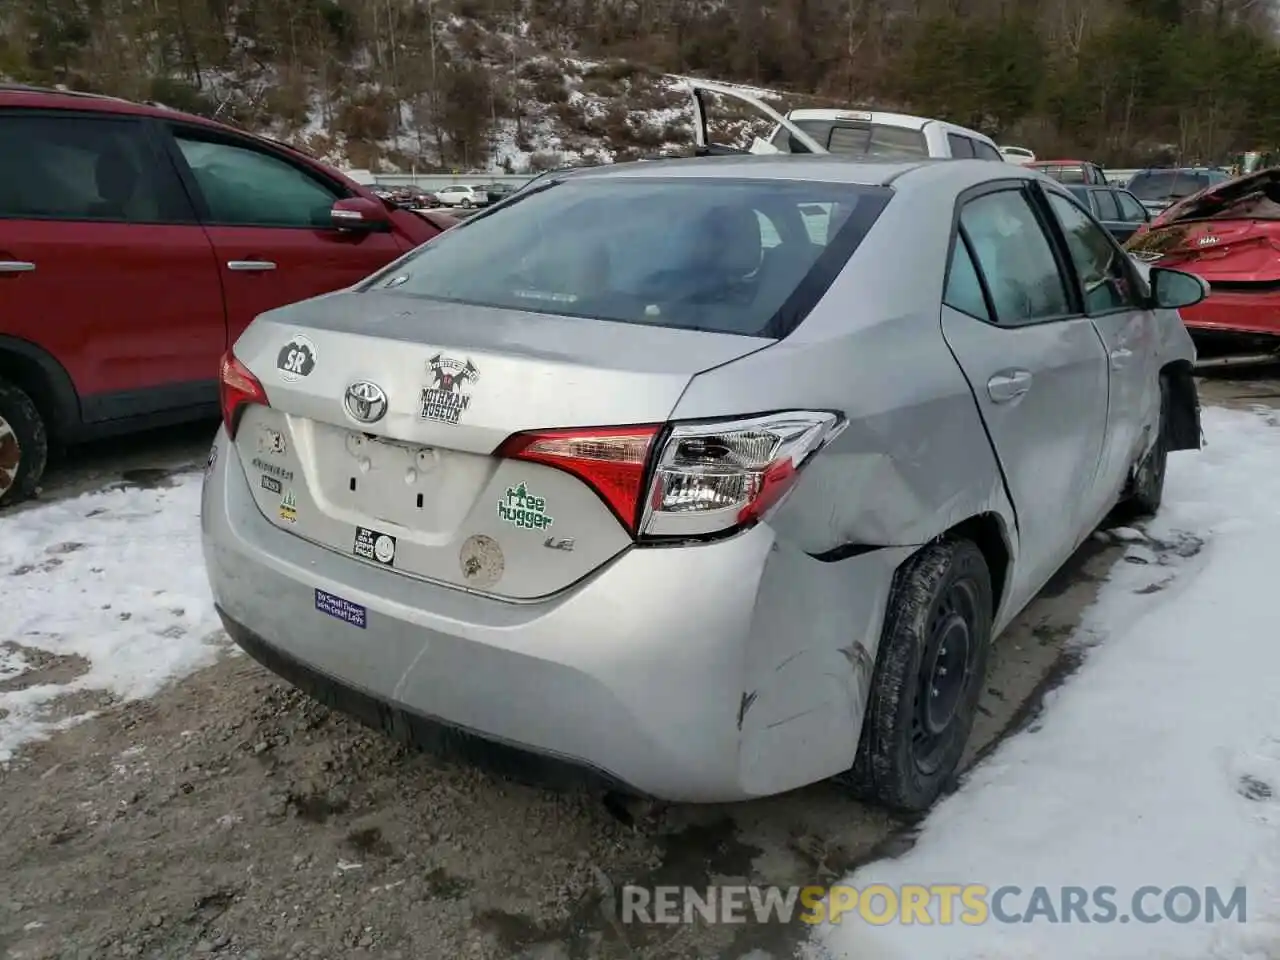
[712, 477]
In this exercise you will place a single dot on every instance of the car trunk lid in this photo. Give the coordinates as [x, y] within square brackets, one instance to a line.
[403, 475]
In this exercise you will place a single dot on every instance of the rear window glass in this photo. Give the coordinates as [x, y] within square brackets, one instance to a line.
[856, 138]
[729, 256]
[1063, 173]
[1169, 184]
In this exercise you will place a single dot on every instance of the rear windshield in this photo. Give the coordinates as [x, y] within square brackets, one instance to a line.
[747, 257]
[1063, 173]
[856, 138]
[1172, 184]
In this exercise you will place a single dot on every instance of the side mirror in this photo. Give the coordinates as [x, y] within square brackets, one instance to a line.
[1174, 290]
[359, 214]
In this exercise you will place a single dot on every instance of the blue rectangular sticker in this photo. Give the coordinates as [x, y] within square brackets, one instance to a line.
[340, 609]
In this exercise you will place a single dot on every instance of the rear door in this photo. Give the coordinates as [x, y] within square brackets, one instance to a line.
[1037, 369]
[268, 218]
[102, 262]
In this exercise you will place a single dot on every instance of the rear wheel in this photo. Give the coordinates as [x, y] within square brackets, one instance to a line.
[24, 445]
[466, 204]
[929, 674]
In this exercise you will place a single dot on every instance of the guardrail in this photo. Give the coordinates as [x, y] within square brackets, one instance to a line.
[436, 181]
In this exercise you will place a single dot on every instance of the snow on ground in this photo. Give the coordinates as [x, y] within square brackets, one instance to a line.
[103, 592]
[1157, 764]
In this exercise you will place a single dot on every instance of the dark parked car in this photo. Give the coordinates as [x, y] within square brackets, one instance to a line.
[136, 244]
[1160, 188]
[1118, 209]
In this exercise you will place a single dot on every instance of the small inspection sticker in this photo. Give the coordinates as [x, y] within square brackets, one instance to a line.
[271, 484]
[340, 609]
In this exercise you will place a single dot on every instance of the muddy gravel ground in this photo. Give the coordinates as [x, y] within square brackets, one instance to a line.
[233, 817]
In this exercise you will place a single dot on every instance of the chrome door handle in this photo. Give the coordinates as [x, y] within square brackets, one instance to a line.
[1119, 357]
[16, 266]
[1008, 386]
[250, 266]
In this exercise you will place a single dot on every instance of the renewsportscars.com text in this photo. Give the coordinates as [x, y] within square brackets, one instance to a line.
[929, 904]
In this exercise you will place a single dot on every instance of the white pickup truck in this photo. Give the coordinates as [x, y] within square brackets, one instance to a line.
[854, 133]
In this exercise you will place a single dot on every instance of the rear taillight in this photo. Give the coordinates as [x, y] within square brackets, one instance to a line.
[711, 478]
[611, 460]
[237, 388]
[708, 478]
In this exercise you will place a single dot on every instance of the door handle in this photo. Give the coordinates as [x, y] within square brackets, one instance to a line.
[1004, 387]
[250, 266]
[1119, 357]
[16, 266]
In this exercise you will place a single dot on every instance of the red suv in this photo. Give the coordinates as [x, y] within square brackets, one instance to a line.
[136, 243]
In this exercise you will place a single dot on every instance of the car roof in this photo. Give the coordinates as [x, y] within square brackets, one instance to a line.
[26, 95]
[821, 168]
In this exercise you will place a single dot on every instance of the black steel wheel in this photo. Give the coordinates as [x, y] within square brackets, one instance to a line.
[928, 676]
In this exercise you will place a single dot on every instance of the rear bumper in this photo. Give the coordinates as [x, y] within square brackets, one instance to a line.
[1235, 326]
[713, 673]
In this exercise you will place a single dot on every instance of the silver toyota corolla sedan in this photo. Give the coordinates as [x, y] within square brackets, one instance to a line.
[710, 478]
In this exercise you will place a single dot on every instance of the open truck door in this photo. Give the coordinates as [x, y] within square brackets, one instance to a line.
[701, 131]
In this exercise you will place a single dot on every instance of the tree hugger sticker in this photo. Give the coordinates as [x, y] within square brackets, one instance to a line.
[521, 509]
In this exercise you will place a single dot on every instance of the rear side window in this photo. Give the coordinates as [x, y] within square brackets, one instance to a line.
[964, 289]
[1130, 208]
[961, 147]
[729, 256]
[85, 168]
[984, 151]
[1106, 206]
[1016, 258]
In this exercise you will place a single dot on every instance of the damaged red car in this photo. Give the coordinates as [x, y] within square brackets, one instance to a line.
[1229, 234]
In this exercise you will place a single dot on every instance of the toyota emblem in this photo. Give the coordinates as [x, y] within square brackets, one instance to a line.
[365, 402]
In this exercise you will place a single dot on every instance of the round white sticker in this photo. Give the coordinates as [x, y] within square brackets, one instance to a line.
[384, 548]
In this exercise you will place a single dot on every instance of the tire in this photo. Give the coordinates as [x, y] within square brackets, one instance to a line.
[466, 204]
[24, 445]
[909, 751]
[1146, 490]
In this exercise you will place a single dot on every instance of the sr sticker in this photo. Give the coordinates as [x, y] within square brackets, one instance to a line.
[447, 398]
[520, 508]
[289, 507]
[340, 609]
[296, 359]
[375, 546]
[271, 484]
[481, 561]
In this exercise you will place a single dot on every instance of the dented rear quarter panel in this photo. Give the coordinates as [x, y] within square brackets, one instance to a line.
[913, 462]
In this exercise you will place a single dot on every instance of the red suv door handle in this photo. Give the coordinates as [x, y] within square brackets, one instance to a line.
[250, 266]
[16, 266]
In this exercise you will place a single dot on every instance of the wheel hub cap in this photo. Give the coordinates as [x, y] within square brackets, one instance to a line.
[947, 674]
[10, 457]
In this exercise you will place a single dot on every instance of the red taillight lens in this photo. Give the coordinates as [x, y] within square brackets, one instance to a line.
[237, 388]
[611, 460]
[708, 478]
